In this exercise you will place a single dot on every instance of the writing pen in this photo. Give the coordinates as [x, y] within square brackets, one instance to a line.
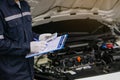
[35, 39]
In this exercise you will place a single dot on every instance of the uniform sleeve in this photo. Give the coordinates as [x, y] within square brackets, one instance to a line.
[9, 47]
[35, 36]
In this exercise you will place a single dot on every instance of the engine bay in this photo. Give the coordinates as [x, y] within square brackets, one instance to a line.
[87, 53]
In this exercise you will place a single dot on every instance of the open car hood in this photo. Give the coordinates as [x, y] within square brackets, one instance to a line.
[104, 11]
[82, 20]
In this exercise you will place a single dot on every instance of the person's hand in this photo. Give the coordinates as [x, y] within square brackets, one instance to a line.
[47, 36]
[44, 36]
[37, 46]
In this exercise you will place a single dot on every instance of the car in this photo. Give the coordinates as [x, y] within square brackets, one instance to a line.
[92, 50]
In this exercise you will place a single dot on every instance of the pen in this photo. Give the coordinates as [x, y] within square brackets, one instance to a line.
[35, 39]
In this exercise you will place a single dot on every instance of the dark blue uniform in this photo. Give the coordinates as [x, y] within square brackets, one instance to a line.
[15, 38]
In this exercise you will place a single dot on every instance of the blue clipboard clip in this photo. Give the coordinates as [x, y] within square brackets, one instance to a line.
[62, 41]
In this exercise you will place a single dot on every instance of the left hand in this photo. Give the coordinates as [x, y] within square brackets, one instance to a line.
[44, 36]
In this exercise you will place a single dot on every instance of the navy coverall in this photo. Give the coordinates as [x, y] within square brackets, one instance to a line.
[15, 37]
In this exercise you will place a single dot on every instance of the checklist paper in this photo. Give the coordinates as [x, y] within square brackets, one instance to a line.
[56, 44]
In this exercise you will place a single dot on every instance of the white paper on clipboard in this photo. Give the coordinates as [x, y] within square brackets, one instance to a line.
[56, 44]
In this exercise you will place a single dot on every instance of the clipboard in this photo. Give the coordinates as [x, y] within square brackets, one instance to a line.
[56, 44]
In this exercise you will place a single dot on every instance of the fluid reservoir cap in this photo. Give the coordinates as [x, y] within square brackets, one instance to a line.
[103, 46]
[79, 59]
[109, 45]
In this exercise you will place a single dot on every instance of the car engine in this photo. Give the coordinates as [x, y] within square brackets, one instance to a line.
[88, 53]
[84, 56]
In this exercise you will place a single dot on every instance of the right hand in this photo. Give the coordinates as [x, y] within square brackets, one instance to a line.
[47, 37]
[37, 46]
[44, 36]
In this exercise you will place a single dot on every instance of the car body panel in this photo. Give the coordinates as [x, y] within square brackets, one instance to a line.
[45, 11]
[112, 76]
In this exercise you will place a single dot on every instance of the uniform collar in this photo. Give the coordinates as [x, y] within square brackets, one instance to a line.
[12, 2]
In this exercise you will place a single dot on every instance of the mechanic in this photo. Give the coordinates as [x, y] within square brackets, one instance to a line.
[16, 40]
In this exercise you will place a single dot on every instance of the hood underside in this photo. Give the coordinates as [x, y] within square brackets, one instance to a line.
[45, 11]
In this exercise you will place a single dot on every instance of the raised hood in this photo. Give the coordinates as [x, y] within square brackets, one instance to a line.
[104, 11]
